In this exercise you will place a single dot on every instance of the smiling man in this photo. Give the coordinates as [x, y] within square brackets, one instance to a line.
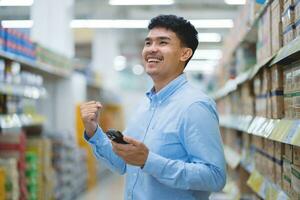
[175, 149]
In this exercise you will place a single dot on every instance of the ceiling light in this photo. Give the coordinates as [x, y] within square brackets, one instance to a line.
[17, 23]
[138, 69]
[207, 54]
[93, 23]
[235, 2]
[212, 23]
[209, 37]
[205, 67]
[140, 2]
[120, 63]
[16, 2]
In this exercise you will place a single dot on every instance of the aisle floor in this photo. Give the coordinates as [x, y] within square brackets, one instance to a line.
[111, 187]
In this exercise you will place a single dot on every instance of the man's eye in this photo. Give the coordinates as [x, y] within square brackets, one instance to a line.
[163, 42]
[147, 43]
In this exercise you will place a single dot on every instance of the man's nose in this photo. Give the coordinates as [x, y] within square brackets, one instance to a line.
[153, 48]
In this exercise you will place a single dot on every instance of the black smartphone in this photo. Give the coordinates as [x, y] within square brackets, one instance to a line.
[115, 136]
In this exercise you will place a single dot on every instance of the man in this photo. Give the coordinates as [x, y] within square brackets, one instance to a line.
[175, 150]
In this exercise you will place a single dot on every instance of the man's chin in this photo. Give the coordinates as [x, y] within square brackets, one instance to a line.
[151, 72]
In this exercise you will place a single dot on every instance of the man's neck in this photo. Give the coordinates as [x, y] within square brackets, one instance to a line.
[160, 84]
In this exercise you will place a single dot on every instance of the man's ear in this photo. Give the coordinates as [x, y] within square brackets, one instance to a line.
[186, 54]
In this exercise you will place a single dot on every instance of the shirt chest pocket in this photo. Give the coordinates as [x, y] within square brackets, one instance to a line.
[166, 144]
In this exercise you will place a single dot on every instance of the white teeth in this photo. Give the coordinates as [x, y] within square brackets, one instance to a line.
[153, 60]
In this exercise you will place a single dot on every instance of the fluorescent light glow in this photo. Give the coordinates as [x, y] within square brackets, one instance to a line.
[17, 23]
[212, 23]
[205, 67]
[207, 54]
[235, 2]
[140, 2]
[209, 37]
[93, 23]
[16, 2]
[120, 63]
[138, 69]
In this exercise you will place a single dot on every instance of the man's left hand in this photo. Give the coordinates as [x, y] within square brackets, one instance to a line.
[134, 153]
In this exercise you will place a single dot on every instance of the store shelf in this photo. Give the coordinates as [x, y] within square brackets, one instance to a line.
[265, 188]
[23, 90]
[251, 33]
[237, 122]
[231, 85]
[284, 131]
[37, 66]
[232, 157]
[288, 50]
[232, 190]
[11, 123]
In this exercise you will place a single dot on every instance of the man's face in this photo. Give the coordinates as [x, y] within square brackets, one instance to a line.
[162, 54]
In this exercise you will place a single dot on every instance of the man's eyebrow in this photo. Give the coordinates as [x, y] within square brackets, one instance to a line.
[160, 38]
[164, 38]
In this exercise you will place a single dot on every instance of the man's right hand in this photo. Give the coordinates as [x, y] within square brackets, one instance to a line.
[90, 116]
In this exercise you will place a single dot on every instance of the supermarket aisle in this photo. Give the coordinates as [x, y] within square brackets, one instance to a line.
[110, 187]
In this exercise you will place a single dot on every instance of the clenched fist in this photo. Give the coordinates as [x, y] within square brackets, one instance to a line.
[90, 116]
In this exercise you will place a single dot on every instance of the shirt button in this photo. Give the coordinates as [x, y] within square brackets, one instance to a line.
[134, 174]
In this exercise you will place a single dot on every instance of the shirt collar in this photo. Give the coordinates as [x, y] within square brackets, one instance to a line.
[166, 91]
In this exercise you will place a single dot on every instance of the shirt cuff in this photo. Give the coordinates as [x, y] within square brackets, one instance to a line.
[155, 164]
[98, 138]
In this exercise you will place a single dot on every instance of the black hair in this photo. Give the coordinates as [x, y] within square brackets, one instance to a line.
[183, 29]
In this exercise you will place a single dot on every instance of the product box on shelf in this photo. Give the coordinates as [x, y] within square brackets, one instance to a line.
[289, 33]
[297, 27]
[2, 39]
[288, 16]
[297, 10]
[12, 189]
[288, 4]
[269, 106]
[288, 79]
[278, 173]
[19, 43]
[295, 181]
[271, 167]
[296, 155]
[264, 41]
[288, 105]
[277, 77]
[279, 151]
[257, 84]
[287, 175]
[277, 104]
[266, 84]
[253, 8]
[276, 11]
[288, 152]
[296, 104]
[2, 183]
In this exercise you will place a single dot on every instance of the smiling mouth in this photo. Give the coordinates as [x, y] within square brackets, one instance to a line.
[153, 60]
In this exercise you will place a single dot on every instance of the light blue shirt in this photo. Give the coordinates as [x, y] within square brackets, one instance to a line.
[180, 127]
